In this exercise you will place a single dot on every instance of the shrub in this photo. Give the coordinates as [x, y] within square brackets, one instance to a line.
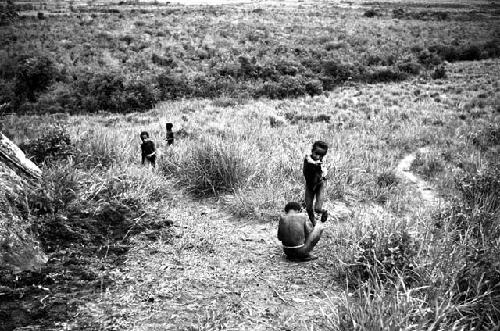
[334, 73]
[8, 13]
[481, 190]
[387, 179]
[173, 86]
[139, 96]
[384, 75]
[410, 68]
[439, 72]
[474, 218]
[53, 145]
[287, 87]
[372, 13]
[314, 87]
[92, 152]
[209, 168]
[111, 92]
[486, 138]
[428, 58]
[470, 53]
[59, 188]
[386, 257]
[7, 96]
[162, 61]
[34, 73]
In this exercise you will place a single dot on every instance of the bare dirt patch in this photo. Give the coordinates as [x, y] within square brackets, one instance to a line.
[219, 272]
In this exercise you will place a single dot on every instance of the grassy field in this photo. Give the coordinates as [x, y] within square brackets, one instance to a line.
[191, 245]
[127, 58]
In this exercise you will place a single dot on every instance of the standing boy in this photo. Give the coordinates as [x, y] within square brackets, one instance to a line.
[315, 173]
[170, 134]
[148, 150]
[297, 234]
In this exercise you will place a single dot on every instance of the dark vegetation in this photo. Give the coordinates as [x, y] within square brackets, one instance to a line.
[85, 232]
[126, 60]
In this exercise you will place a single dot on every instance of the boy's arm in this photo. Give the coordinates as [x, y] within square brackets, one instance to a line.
[153, 149]
[309, 159]
[308, 227]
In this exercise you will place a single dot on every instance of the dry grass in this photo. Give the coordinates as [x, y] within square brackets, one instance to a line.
[223, 269]
[220, 267]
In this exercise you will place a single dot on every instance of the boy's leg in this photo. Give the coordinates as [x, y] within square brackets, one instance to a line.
[320, 196]
[312, 239]
[308, 200]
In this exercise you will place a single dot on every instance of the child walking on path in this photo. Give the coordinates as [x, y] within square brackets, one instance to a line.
[148, 150]
[315, 173]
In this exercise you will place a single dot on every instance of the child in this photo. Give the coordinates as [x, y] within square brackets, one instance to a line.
[297, 234]
[148, 151]
[170, 134]
[315, 173]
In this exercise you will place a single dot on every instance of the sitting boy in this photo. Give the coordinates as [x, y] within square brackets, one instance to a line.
[297, 233]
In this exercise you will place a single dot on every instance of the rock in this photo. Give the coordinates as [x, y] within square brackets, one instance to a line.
[19, 250]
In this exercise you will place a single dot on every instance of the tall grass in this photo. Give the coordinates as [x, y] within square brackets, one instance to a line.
[449, 280]
[209, 167]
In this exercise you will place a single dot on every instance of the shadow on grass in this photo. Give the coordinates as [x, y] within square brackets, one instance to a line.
[82, 249]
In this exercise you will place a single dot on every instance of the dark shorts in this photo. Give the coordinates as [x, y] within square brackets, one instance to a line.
[151, 159]
[296, 253]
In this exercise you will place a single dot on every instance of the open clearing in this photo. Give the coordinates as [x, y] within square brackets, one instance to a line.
[185, 247]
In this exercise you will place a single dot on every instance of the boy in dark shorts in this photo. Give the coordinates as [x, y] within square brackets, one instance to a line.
[297, 234]
[315, 173]
[170, 134]
[148, 150]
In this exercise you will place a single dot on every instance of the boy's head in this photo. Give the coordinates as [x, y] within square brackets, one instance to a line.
[293, 207]
[169, 126]
[144, 135]
[319, 149]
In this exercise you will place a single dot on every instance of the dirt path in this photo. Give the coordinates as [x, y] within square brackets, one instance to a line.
[429, 196]
[217, 272]
[213, 271]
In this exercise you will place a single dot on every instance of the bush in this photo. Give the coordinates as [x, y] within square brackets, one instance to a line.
[59, 188]
[8, 13]
[314, 87]
[53, 145]
[173, 86]
[209, 168]
[385, 258]
[287, 87]
[334, 73]
[112, 92]
[474, 219]
[410, 68]
[162, 61]
[470, 53]
[439, 72]
[384, 75]
[372, 13]
[34, 73]
[486, 138]
[387, 179]
[92, 152]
